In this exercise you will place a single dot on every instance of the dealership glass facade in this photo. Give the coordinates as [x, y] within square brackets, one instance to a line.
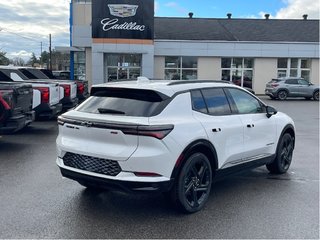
[79, 65]
[181, 68]
[122, 66]
[294, 67]
[238, 70]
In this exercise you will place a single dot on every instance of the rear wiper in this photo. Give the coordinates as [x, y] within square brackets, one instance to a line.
[106, 110]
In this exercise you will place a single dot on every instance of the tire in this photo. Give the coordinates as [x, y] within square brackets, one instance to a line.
[316, 96]
[282, 95]
[192, 188]
[284, 154]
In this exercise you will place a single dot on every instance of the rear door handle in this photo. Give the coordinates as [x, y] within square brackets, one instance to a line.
[216, 130]
[250, 125]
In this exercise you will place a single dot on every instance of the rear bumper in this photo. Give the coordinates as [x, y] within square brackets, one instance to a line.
[44, 110]
[270, 92]
[68, 103]
[82, 97]
[110, 184]
[17, 122]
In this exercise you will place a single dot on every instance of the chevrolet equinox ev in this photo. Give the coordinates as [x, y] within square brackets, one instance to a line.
[174, 137]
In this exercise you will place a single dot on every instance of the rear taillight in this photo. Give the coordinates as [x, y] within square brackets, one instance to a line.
[158, 131]
[6, 99]
[67, 90]
[45, 94]
[274, 85]
[80, 87]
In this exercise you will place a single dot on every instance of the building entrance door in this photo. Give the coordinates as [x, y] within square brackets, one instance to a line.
[122, 66]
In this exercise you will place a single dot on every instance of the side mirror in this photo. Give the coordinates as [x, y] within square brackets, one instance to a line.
[271, 111]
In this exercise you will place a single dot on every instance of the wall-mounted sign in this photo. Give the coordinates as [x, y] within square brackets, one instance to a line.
[130, 19]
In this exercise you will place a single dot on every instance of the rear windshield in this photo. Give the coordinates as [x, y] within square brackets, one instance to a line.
[28, 74]
[127, 102]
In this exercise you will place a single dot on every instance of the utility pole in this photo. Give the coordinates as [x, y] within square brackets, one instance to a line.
[40, 54]
[50, 53]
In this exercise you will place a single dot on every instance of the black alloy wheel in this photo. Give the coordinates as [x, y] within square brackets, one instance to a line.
[316, 96]
[284, 154]
[193, 187]
[282, 95]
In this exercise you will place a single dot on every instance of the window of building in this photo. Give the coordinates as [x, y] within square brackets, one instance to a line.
[238, 70]
[82, 1]
[123, 66]
[294, 67]
[181, 68]
[79, 65]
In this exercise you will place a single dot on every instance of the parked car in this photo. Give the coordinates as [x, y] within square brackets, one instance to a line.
[63, 75]
[82, 84]
[69, 99]
[281, 88]
[46, 95]
[171, 136]
[15, 106]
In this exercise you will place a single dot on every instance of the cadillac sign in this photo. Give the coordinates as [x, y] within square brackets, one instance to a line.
[130, 19]
[123, 10]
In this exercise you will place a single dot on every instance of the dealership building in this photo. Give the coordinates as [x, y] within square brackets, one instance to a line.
[122, 39]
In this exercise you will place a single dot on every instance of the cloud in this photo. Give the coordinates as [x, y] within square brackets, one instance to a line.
[27, 23]
[21, 54]
[297, 8]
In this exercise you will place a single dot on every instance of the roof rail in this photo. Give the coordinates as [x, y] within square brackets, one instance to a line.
[178, 82]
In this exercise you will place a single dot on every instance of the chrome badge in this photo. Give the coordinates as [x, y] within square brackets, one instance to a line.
[123, 10]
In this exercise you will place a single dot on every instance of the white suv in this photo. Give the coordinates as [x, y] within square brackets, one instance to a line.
[171, 136]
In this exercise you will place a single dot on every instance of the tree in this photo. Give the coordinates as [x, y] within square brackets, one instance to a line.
[18, 61]
[44, 59]
[3, 59]
[33, 60]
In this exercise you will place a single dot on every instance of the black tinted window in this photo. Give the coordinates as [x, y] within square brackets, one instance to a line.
[216, 101]
[28, 74]
[244, 102]
[198, 103]
[128, 102]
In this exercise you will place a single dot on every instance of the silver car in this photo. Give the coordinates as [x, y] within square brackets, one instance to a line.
[281, 88]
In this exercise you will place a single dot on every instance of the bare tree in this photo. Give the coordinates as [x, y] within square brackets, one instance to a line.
[18, 61]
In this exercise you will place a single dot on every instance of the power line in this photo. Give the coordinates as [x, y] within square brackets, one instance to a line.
[28, 38]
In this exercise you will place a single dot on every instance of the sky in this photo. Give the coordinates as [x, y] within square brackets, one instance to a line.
[26, 24]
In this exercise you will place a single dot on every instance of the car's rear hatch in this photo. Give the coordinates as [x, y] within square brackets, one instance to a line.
[105, 126]
[18, 96]
[52, 88]
[272, 83]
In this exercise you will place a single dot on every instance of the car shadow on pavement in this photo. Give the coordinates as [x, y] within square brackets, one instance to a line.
[157, 204]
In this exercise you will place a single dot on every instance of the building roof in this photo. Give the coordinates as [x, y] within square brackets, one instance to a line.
[278, 30]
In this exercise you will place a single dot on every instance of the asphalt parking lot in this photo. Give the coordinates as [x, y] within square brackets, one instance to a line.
[35, 202]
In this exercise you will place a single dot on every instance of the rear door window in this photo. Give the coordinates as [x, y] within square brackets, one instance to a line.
[216, 101]
[211, 101]
[127, 102]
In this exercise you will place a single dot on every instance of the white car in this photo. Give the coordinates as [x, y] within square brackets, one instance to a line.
[171, 136]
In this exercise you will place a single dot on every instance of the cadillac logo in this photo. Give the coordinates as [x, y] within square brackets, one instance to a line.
[123, 10]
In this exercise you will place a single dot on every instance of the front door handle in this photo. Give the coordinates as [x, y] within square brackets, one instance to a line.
[216, 130]
[250, 125]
